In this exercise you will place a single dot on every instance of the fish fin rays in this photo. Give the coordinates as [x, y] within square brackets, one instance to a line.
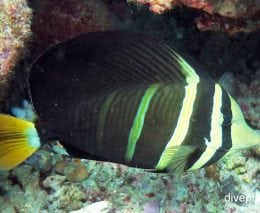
[178, 158]
[228, 82]
[18, 141]
[99, 62]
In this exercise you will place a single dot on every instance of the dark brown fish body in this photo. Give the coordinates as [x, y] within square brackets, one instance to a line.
[128, 98]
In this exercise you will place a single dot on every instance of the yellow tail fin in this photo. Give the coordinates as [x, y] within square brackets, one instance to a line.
[18, 140]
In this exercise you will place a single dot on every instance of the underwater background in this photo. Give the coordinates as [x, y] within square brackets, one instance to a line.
[223, 36]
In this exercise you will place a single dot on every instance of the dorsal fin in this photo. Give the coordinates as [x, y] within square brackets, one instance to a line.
[98, 62]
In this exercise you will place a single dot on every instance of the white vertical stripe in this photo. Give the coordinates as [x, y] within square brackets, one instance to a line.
[188, 71]
[183, 123]
[182, 126]
[215, 140]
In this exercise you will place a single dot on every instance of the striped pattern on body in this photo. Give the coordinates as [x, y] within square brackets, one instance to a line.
[139, 101]
[136, 126]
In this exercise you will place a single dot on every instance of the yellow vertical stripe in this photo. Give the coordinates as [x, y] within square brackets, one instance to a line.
[138, 124]
[191, 75]
[215, 140]
[182, 126]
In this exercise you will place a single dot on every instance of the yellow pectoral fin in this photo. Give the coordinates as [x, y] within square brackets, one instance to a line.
[18, 140]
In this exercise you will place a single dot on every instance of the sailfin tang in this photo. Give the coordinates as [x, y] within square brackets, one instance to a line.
[18, 141]
[95, 63]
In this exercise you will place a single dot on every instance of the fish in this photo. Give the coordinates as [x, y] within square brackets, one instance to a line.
[127, 98]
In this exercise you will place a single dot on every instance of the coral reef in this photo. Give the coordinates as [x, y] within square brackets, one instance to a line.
[249, 100]
[231, 16]
[63, 195]
[118, 188]
[15, 20]
[226, 8]
[101, 206]
[21, 191]
[55, 20]
[217, 22]
[73, 171]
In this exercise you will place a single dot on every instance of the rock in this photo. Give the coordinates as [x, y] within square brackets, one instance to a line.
[98, 207]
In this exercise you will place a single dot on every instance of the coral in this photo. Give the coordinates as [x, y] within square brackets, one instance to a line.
[257, 150]
[253, 168]
[249, 100]
[124, 189]
[158, 6]
[60, 166]
[54, 182]
[55, 20]
[235, 160]
[76, 173]
[228, 15]
[63, 194]
[226, 8]
[21, 191]
[15, 20]
[231, 25]
[73, 171]
[212, 172]
[235, 183]
[101, 206]
[43, 160]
